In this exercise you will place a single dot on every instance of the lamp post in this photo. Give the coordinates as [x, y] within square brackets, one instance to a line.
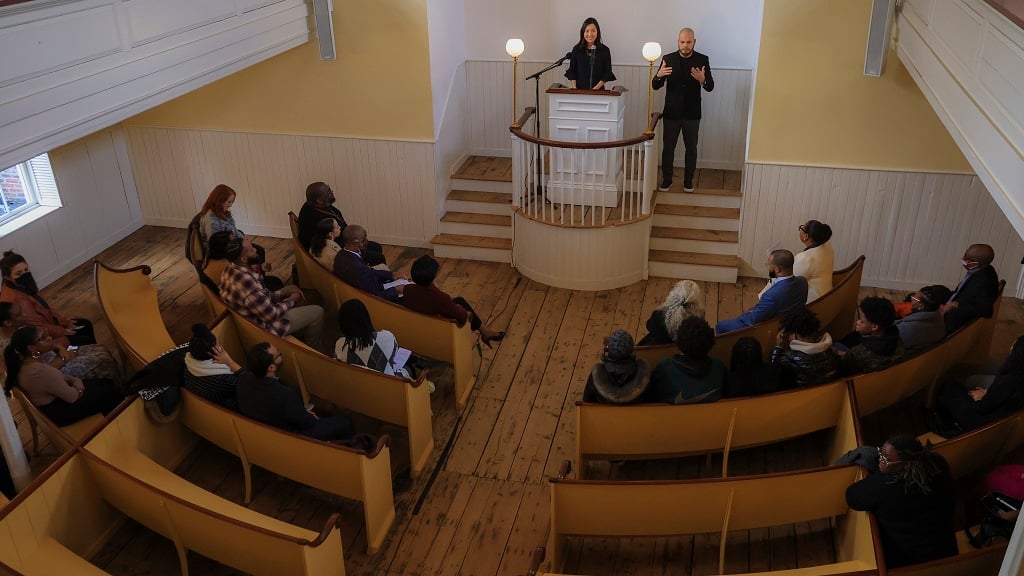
[514, 48]
[651, 52]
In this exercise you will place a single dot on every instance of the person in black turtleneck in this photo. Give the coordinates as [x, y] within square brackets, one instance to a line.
[686, 72]
[691, 376]
[319, 205]
[620, 377]
[874, 343]
[20, 286]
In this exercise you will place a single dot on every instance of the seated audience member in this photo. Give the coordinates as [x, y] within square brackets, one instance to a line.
[353, 270]
[692, 376]
[88, 362]
[924, 325]
[19, 286]
[216, 260]
[787, 293]
[912, 497]
[816, 261]
[62, 398]
[319, 205]
[975, 295]
[424, 297]
[322, 246]
[620, 377]
[361, 345]
[264, 397]
[210, 372]
[802, 352]
[981, 399]
[874, 343]
[215, 215]
[749, 374]
[685, 300]
[277, 312]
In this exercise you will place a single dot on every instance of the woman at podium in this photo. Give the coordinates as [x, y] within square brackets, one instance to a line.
[590, 62]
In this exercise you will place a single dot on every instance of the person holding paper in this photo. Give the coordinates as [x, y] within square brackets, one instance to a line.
[350, 266]
[361, 345]
[590, 61]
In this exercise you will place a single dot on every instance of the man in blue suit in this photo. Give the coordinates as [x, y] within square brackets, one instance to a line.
[353, 270]
[788, 292]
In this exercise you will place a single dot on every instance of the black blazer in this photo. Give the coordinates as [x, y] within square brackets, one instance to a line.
[355, 272]
[975, 299]
[682, 98]
[579, 66]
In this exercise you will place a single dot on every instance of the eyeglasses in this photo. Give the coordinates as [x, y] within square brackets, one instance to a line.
[802, 228]
[916, 299]
[885, 461]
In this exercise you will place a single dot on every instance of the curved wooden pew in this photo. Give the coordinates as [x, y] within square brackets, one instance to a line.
[835, 309]
[133, 481]
[983, 562]
[388, 398]
[430, 336]
[603, 509]
[130, 304]
[980, 449]
[64, 438]
[56, 523]
[649, 431]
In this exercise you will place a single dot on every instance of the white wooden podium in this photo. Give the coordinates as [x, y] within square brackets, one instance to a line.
[587, 176]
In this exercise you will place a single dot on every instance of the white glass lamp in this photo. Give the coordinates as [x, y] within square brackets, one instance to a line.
[514, 48]
[651, 52]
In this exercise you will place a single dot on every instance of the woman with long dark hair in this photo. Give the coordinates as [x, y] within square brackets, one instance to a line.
[913, 500]
[590, 62]
[20, 287]
[362, 345]
[62, 398]
[322, 246]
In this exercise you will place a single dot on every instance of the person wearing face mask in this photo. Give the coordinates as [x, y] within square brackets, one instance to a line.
[924, 325]
[975, 295]
[19, 286]
[787, 293]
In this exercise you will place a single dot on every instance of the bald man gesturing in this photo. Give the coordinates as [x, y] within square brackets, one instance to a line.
[686, 72]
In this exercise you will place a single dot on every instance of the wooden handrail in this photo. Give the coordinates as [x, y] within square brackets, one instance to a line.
[530, 111]
[567, 467]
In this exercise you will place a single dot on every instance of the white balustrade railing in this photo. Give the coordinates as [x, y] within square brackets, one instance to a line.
[584, 184]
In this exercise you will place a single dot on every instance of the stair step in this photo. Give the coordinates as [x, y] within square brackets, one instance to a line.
[485, 168]
[475, 196]
[724, 260]
[472, 218]
[694, 234]
[714, 192]
[468, 241]
[698, 211]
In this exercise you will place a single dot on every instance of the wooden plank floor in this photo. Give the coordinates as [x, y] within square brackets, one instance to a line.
[486, 506]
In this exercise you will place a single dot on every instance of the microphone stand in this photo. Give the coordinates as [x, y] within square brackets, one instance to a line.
[536, 120]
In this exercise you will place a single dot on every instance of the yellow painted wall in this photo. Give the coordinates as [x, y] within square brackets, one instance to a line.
[814, 106]
[379, 86]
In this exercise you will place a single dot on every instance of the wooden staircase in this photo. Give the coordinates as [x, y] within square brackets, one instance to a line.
[693, 235]
[696, 235]
[477, 224]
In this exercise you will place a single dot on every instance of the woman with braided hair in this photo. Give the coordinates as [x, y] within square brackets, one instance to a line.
[912, 497]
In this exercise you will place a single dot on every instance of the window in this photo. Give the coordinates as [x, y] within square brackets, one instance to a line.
[25, 186]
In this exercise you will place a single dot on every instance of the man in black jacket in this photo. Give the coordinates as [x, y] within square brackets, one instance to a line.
[685, 72]
[263, 397]
[975, 295]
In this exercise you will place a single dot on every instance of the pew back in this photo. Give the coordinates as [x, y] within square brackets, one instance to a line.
[430, 336]
[645, 431]
[362, 390]
[129, 303]
[835, 309]
[877, 390]
[63, 438]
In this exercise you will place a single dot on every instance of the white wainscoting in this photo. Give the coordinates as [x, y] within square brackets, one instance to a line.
[968, 61]
[386, 186]
[93, 63]
[725, 110]
[100, 207]
[452, 139]
[912, 226]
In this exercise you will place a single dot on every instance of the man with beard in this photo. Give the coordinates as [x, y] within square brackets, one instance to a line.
[319, 205]
[20, 287]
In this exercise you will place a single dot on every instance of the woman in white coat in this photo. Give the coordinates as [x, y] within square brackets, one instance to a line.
[815, 263]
